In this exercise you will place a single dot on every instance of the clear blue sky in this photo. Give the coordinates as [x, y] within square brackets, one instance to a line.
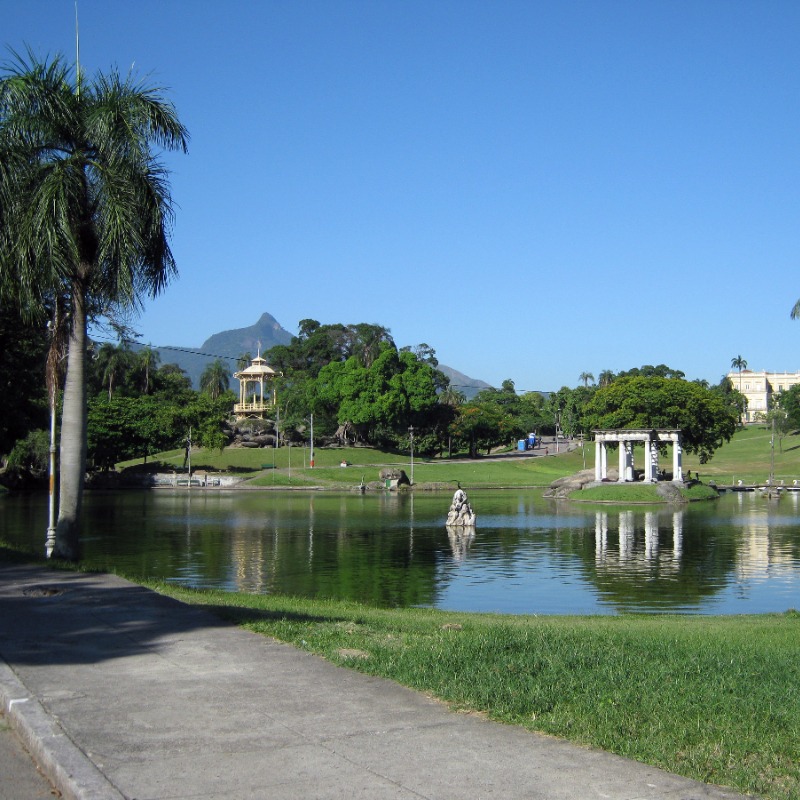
[533, 189]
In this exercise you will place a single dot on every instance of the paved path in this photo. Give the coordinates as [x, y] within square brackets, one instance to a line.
[19, 777]
[122, 693]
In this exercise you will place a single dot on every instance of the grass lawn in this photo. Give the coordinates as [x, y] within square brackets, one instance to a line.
[747, 458]
[705, 697]
[287, 466]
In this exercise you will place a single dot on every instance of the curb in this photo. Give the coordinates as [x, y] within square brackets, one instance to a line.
[67, 767]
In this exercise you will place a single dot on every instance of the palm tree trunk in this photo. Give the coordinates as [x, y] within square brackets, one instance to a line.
[73, 436]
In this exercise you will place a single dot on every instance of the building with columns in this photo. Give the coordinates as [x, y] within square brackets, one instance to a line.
[759, 388]
[626, 439]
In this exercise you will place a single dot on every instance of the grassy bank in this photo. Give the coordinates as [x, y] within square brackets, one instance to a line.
[289, 467]
[638, 493]
[705, 697]
[747, 457]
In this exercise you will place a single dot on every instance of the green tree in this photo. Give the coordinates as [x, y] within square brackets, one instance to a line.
[703, 415]
[482, 425]
[22, 361]
[112, 365]
[606, 377]
[586, 377]
[85, 213]
[143, 369]
[790, 403]
[215, 379]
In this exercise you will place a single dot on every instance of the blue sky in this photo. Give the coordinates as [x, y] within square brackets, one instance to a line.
[536, 190]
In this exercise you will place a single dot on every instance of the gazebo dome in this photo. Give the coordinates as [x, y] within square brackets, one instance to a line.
[258, 368]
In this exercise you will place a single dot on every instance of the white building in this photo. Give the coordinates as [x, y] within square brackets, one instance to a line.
[759, 387]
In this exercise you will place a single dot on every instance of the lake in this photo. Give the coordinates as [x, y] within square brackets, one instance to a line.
[528, 555]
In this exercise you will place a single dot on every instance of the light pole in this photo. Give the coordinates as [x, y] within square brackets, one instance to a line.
[411, 436]
[311, 452]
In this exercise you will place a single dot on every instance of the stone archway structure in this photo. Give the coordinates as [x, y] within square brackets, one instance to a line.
[626, 438]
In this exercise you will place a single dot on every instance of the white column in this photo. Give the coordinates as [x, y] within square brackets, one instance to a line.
[648, 463]
[677, 458]
[604, 459]
[598, 464]
[629, 463]
[623, 462]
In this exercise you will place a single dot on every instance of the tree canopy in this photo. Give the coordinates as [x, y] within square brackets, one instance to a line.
[705, 416]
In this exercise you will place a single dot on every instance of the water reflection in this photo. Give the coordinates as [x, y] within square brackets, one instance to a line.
[527, 555]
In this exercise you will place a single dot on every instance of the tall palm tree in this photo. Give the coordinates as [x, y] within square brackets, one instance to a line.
[606, 377]
[147, 361]
[85, 213]
[739, 363]
[215, 379]
[112, 364]
[586, 377]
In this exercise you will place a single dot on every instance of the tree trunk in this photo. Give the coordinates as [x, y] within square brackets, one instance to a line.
[73, 436]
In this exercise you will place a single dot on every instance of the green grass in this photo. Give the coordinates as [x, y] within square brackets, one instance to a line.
[289, 467]
[705, 697]
[747, 458]
[637, 493]
[624, 493]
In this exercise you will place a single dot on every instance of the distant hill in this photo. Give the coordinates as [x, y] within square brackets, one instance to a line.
[458, 380]
[229, 345]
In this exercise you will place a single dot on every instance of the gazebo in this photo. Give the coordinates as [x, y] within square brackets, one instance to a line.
[256, 394]
[626, 438]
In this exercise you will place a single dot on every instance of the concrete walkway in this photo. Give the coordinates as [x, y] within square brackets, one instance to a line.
[122, 693]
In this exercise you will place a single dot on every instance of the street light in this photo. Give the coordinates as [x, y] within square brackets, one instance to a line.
[311, 452]
[411, 436]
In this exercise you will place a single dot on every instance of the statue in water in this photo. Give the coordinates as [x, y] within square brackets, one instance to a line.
[461, 514]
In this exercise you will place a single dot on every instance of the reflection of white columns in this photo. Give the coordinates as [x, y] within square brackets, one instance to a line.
[677, 458]
[598, 463]
[625, 534]
[600, 535]
[650, 535]
[677, 536]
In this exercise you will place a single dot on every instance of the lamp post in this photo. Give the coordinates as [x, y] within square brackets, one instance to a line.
[311, 452]
[411, 436]
[50, 541]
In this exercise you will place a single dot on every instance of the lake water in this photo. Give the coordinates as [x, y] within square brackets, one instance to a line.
[529, 555]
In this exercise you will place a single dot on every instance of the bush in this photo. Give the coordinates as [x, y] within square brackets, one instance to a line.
[31, 454]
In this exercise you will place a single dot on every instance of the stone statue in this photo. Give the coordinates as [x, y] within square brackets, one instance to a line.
[461, 514]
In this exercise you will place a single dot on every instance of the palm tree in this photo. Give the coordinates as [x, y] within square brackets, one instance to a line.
[85, 212]
[215, 379]
[606, 377]
[586, 377]
[739, 363]
[112, 363]
[146, 364]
